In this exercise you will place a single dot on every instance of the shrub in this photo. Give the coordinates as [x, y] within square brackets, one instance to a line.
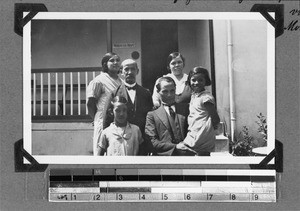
[244, 142]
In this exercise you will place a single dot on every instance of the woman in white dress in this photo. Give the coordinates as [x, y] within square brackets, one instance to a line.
[175, 64]
[99, 93]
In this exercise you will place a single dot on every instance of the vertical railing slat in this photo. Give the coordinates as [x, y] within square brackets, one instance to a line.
[34, 94]
[42, 94]
[49, 95]
[86, 84]
[78, 93]
[71, 93]
[64, 93]
[56, 93]
[54, 96]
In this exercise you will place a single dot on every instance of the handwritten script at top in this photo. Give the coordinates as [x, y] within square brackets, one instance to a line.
[187, 2]
[293, 25]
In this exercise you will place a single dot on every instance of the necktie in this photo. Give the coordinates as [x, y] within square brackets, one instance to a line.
[172, 113]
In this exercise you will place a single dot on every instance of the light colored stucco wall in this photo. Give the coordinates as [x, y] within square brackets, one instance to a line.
[65, 44]
[127, 32]
[249, 63]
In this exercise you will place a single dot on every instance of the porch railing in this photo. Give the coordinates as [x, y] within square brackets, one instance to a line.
[60, 94]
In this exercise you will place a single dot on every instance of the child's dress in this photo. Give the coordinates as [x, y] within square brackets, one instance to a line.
[120, 141]
[201, 135]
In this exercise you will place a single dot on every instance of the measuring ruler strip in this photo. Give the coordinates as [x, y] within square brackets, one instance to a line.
[161, 175]
[164, 185]
[134, 197]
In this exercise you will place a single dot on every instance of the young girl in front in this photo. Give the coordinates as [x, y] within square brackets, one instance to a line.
[120, 138]
[203, 117]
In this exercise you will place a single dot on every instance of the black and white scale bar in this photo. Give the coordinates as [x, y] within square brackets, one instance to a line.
[161, 197]
[161, 175]
[194, 185]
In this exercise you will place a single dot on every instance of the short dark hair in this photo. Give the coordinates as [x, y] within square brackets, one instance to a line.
[165, 78]
[173, 56]
[199, 70]
[119, 99]
[105, 59]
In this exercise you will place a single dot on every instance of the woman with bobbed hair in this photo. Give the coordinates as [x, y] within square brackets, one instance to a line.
[175, 64]
[99, 93]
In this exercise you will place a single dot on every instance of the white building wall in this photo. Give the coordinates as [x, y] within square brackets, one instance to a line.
[127, 32]
[249, 62]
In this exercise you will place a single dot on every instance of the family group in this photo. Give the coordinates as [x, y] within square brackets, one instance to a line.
[178, 119]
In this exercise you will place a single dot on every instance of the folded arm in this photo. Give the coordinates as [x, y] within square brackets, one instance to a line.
[91, 105]
[213, 114]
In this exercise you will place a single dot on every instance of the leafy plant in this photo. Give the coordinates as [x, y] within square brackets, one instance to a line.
[244, 142]
[262, 126]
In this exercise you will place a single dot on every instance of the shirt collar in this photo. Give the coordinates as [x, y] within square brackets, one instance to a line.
[198, 93]
[167, 106]
[182, 80]
[129, 85]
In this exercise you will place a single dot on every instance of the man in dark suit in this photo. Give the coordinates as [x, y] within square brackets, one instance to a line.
[139, 100]
[166, 127]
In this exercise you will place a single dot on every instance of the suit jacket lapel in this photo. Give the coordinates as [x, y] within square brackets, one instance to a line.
[128, 98]
[162, 115]
[137, 96]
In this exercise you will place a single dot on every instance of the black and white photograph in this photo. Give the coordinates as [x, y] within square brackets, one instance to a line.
[149, 105]
[147, 88]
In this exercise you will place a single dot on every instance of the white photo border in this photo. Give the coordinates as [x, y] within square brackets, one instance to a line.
[27, 123]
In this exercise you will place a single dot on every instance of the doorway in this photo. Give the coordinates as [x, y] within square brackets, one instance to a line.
[158, 40]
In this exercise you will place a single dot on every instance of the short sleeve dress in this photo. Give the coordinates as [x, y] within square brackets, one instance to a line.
[101, 88]
[121, 141]
[201, 135]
